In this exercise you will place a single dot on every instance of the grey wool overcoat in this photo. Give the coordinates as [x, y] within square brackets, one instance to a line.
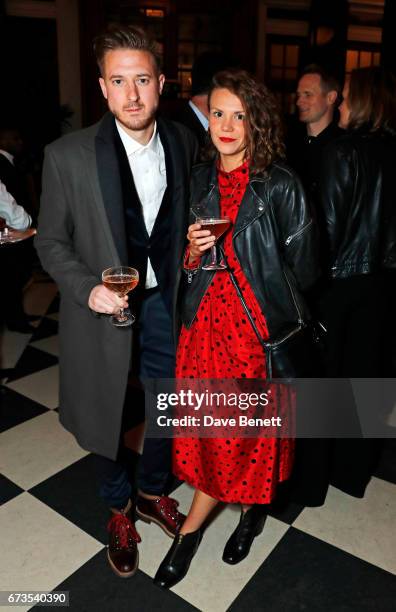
[81, 232]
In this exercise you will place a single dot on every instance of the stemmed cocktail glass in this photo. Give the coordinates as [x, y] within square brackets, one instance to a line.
[121, 280]
[217, 226]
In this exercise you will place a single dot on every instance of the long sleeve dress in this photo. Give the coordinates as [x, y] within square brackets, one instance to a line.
[222, 344]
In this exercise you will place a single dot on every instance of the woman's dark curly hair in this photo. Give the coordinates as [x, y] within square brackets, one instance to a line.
[264, 130]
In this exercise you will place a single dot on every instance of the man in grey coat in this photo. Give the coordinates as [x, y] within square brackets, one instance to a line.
[117, 194]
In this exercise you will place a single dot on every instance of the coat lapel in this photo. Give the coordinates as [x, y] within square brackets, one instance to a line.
[172, 218]
[173, 160]
[108, 172]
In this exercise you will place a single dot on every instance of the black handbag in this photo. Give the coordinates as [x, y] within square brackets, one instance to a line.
[296, 355]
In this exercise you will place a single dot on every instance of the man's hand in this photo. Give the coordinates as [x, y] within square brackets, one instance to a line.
[105, 301]
[200, 240]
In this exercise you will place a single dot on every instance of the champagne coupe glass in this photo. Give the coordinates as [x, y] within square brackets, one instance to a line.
[217, 226]
[121, 280]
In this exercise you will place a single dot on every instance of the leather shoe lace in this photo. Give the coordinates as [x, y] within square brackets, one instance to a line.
[123, 552]
[162, 511]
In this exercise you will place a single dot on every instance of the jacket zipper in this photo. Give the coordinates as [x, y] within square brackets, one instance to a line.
[289, 335]
[290, 238]
[300, 320]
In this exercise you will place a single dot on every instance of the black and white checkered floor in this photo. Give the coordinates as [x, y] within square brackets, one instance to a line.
[339, 557]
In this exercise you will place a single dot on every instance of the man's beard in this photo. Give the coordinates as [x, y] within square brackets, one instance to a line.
[136, 124]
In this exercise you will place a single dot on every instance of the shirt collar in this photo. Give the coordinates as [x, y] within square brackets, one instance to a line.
[8, 156]
[203, 120]
[133, 146]
[330, 131]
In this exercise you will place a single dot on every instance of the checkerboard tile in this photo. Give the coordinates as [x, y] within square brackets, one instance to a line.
[340, 557]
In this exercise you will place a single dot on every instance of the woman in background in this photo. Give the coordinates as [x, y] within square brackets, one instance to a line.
[357, 195]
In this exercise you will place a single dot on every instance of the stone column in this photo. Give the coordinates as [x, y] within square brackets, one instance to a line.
[261, 39]
[68, 36]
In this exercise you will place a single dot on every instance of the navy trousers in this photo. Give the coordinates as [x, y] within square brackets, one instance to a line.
[117, 479]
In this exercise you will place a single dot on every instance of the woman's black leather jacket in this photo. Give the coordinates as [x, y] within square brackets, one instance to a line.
[275, 241]
[357, 192]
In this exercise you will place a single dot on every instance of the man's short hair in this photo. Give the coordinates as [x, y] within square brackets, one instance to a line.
[124, 37]
[327, 81]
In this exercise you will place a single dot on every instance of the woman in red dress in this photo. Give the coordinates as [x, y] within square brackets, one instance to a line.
[271, 251]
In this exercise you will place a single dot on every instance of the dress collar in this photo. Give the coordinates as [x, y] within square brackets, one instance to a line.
[240, 174]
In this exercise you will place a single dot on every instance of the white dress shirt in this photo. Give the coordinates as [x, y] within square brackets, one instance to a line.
[204, 120]
[15, 216]
[8, 156]
[147, 163]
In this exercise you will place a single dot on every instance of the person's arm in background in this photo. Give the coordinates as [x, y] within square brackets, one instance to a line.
[15, 216]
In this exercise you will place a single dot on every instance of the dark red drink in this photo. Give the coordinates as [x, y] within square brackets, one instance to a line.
[217, 227]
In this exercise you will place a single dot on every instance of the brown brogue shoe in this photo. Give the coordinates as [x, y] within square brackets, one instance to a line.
[162, 511]
[122, 553]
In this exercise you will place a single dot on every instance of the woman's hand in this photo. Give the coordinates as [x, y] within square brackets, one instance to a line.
[199, 240]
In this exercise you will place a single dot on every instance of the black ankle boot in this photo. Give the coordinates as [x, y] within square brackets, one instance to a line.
[177, 561]
[250, 525]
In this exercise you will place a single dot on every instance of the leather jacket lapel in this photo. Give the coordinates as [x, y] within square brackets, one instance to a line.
[252, 206]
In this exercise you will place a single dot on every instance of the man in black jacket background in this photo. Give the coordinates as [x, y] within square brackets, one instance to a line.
[317, 98]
